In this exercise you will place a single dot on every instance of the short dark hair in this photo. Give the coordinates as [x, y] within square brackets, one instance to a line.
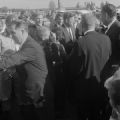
[9, 19]
[110, 9]
[68, 15]
[20, 24]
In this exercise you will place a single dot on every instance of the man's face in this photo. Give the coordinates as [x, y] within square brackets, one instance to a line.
[104, 18]
[60, 20]
[39, 20]
[70, 21]
[17, 34]
[76, 18]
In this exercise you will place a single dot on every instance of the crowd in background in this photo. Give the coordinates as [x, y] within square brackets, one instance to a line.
[56, 67]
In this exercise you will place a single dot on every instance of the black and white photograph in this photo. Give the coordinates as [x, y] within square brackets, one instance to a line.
[59, 59]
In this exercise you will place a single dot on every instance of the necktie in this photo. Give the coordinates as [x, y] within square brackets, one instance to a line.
[70, 32]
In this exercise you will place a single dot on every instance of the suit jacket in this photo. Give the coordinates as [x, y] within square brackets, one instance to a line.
[66, 39]
[89, 56]
[91, 52]
[32, 70]
[114, 35]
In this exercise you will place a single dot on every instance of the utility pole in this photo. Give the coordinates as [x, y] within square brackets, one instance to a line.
[58, 4]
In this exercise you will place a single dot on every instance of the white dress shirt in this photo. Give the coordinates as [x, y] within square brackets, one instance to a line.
[70, 32]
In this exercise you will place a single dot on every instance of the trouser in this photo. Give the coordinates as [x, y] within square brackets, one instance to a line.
[88, 97]
[25, 112]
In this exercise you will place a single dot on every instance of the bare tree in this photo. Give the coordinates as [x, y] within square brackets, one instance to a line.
[102, 4]
[78, 5]
[60, 5]
[90, 5]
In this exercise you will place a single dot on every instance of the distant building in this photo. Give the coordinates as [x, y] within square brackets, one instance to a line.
[74, 9]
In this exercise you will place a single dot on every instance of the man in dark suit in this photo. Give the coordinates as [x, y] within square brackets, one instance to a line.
[31, 67]
[113, 31]
[33, 27]
[89, 56]
[68, 32]
[56, 27]
[58, 22]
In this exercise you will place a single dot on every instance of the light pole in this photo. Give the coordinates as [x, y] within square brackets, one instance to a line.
[58, 4]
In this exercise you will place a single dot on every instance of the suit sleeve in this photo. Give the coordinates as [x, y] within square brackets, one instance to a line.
[20, 57]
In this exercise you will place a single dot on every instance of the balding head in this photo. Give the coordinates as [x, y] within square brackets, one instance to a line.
[44, 33]
[88, 21]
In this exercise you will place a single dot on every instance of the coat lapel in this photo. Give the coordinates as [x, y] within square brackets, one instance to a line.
[111, 29]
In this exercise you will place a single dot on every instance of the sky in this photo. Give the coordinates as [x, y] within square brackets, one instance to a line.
[31, 4]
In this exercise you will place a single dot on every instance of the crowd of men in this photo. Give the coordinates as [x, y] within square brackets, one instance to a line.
[56, 68]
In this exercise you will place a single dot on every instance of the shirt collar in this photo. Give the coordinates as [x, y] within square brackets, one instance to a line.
[68, 28]
[88, 31]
